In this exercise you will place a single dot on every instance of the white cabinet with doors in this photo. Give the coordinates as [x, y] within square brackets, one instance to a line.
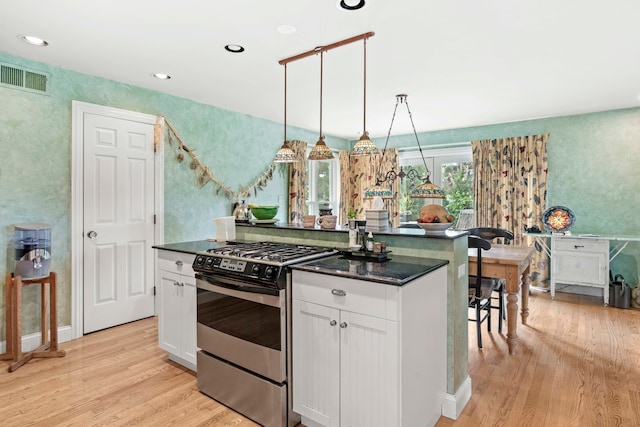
[369, 354]
[177, 307]
[579, 261]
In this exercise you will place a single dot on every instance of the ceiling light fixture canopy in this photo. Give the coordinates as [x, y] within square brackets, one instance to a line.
[285, 154]
[364, 146]
[426, 190]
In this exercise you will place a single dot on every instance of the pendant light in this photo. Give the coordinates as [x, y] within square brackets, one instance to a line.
[364, 146]
[285, 154]
[321, 151]
[425, 190]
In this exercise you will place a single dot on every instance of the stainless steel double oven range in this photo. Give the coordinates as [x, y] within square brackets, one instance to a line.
[244, 326]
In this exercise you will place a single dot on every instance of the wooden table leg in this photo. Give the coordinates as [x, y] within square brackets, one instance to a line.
[513, 288]
[526, 280]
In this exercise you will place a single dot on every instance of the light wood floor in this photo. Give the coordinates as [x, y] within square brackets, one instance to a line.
[578, 364]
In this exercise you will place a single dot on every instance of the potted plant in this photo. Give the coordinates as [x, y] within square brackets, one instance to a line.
[351, 217]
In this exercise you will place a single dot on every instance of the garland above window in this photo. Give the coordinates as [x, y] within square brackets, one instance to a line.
[204, 173]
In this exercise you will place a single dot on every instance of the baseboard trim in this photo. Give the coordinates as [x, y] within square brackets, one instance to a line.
[32, 341]
[455, 403]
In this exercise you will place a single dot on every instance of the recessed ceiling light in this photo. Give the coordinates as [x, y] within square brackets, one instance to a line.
[234, 48]
[286, 29]
[36, 41]
[161, 76]
[351, 4]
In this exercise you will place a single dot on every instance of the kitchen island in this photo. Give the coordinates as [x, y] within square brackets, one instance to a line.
[369, 341]
[451, 247]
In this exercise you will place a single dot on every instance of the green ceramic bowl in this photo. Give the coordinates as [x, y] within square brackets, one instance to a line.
[264, 212]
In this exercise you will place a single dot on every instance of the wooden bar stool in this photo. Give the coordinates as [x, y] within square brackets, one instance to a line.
[49, 324]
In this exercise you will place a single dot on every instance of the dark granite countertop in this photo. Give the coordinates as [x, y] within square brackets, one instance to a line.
[188, 247]
[397, 270]
[408, 232]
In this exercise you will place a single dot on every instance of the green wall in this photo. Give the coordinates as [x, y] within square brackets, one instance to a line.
[35, 168]
[594, 170]
[592, 164]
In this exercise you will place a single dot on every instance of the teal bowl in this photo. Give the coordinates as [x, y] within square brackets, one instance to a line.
[264, 212]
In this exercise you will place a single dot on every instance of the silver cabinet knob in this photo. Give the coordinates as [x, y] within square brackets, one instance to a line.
[92, 234]
[179, 263]
[338, 292]
[343, 325]
[333, 323]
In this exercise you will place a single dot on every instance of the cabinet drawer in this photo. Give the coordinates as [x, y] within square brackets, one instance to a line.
[581, 245]
[175, 262]
[358, 296]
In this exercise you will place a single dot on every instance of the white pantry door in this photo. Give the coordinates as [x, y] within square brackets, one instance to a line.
[118, 221]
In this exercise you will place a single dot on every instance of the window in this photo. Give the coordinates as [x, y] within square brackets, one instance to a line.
[323, 185]
[451, 169]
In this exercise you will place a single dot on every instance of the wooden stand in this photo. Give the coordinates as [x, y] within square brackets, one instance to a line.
[13, 302]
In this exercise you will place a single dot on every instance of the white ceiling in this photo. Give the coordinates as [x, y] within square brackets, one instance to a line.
[462, 63]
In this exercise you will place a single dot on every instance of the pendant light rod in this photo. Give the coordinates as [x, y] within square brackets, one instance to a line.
[321, 68]
[364, 102]
[285, 102]
[406, 102]
[321, 49]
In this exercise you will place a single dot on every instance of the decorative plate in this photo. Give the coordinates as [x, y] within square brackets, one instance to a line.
[431, 229]
[558, 219]
[265, 221]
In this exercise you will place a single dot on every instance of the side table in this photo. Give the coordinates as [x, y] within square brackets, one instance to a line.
[49, 324]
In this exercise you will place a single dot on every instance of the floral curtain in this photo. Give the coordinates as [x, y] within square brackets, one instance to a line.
[510, 186]
[357, 173]
[297, 182]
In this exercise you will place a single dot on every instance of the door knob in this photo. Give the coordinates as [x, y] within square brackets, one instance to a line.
[92, 234]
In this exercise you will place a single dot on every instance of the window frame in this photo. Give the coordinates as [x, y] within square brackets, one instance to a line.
[313, 206]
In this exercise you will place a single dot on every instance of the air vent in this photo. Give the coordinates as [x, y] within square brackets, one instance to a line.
[18, 78]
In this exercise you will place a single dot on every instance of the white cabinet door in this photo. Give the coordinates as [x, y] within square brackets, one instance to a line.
[177, 308]
[169, 325]
[369, 369]
[316, 362]
[189, 319]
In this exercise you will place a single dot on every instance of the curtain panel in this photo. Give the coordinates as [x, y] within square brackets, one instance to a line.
[298, 182]
[510, 189]
[357, 173]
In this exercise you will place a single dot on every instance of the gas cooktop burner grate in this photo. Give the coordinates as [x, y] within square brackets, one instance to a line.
[269, 251]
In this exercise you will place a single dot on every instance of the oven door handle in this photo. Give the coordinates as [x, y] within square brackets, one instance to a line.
[249, 293]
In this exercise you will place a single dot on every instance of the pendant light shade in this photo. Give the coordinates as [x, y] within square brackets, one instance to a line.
[378, 191]
[427, 190]
[364, 146]
[285, 154]
[320, 151]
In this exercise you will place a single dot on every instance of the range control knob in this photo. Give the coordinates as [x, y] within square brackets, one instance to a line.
[255, 270]
[269, 272]
[199, 260]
